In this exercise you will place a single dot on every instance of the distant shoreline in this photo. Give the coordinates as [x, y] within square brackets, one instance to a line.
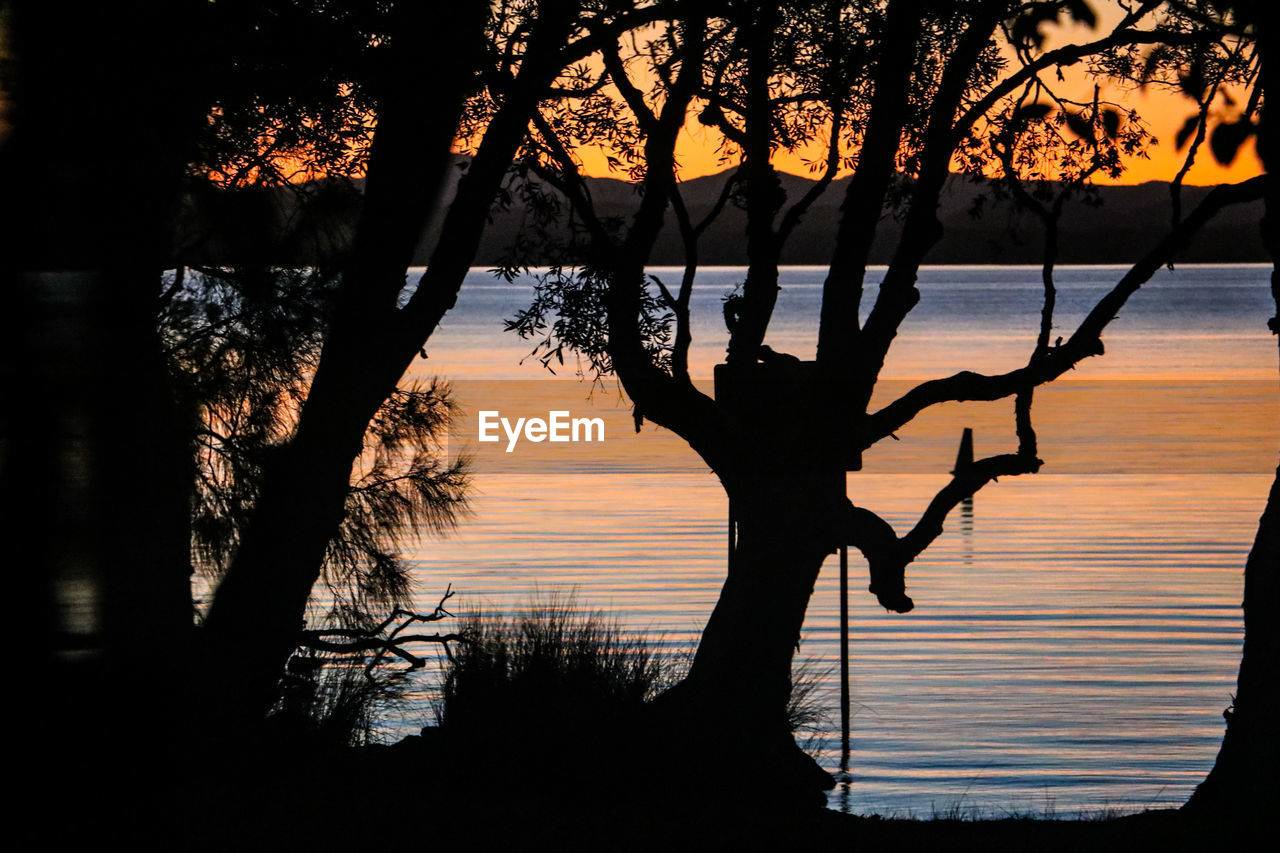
[485, 268]
[1127, 221]
[977, 229]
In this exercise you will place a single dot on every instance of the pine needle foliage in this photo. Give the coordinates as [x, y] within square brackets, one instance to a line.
[243, 343]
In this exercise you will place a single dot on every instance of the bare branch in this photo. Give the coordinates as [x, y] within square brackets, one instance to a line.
[358, 640]
[721, 200]
[964, 484]
[838, 325]
[632, 95]
[888, 554]
[1085, 342]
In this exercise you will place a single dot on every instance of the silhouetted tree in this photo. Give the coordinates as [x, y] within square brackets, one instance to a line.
[242, 343]
[490, 67]
[1245, 779]
[263, 95]
[275, 184]
[902, 91]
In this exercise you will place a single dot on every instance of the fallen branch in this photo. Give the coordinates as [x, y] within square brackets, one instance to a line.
[359, 641]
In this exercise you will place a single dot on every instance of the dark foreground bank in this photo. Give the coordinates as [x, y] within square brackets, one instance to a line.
[427, 793]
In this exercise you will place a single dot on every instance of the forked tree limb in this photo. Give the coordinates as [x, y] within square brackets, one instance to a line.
[1085, 342]
[358, 641]
[889, 554]
[964, 484]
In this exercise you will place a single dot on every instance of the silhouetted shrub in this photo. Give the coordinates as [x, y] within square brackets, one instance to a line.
[330, 701]
[553, 666]
[807, 718]
[550, 665]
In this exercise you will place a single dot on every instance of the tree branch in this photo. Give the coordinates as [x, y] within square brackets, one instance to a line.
[573, 186]
[792, 217]
[1085, 342]
[357, 640]
[898, 294]
[680, 303]
[632, 95]
[888, 554]
[1065, 56]
[964, 484]
[838, 325]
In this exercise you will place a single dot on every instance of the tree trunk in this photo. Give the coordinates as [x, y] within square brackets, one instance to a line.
[253, 625]
[1245, 779]
[256, 617]
[747, 646]
[731, 710]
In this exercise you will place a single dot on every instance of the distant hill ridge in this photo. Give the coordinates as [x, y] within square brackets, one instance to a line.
[1129, 220]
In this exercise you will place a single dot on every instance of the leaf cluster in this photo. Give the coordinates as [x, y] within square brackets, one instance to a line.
[569, 311]
[294, 95]
[243, 343]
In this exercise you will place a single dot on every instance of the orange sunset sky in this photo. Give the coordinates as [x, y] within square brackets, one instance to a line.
[1162, 110]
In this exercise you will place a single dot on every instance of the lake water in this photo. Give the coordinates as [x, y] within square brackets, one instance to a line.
[1076, 635]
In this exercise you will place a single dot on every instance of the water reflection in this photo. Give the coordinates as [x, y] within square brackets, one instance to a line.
[1077, 650]
[966, 530]
[1087, 639]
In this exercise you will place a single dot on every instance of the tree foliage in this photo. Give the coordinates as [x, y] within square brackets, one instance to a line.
[276, 181]
[243, 343]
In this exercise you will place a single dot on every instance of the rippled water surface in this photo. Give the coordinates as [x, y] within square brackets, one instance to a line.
[1077, 632]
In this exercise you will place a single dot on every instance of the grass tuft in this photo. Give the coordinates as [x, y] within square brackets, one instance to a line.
[550, 665]
[329, 701]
